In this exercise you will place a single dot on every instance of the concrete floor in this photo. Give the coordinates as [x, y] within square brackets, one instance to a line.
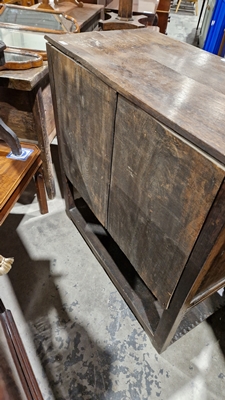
[81, 338]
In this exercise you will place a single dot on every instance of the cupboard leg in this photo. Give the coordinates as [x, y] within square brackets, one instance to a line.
[40, 187]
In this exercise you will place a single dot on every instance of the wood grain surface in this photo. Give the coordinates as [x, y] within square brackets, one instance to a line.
[23, 80]
[174, 82]
[161, 191]
[86, 126]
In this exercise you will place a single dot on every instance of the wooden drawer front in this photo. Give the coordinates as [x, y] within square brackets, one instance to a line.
[161, 191]
[86, 113]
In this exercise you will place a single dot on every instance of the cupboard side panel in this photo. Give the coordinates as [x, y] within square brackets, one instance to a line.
[86, 113]
[212, 276]
[161, 192]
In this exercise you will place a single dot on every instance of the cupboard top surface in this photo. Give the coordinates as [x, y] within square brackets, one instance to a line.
[178, 84]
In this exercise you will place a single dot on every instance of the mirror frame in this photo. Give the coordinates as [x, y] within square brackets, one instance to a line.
[24, 28]
[72, 20]
[35, 60]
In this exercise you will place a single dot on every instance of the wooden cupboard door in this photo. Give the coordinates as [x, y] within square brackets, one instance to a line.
[161, 191]
[85, 123]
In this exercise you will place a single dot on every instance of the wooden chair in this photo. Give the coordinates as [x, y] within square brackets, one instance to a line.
[15, 174]
[191, 1]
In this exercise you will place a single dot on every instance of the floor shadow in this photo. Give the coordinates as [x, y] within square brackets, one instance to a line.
[76, 367]
[192, 38]
[217, 324]
[56, 163]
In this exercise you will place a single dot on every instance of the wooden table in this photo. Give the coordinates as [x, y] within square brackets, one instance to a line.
[144, 7]
[142, 143]
[26, 107]
[157, 11]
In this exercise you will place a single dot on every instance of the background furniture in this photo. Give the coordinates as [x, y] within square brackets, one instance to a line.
[191, 1]
[26, 107]
[25, 97]
[15, 176]
[163, 13]
[87, 16]
[148, 160]
[139, 7]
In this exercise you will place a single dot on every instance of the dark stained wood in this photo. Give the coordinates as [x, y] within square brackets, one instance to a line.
[16, 111]
[212, 274]
[86, 158]
[26, 107]
[40, 188]
[162, 11]
[39, 111]
[197, 118]
[146, 8]
[162, 20]
[161, 192]
[117, 266]
[192, 276]
[165, 182]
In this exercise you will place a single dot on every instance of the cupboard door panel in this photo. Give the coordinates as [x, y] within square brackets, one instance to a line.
[86, 112]
[161, 191]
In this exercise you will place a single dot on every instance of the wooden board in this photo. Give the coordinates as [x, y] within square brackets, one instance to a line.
[23, 80]
[181, 91]
[86, 112]
[212, 275]
[160, 194]
[16, 110]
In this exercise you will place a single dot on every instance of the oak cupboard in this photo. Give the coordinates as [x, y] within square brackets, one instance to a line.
[140, 123]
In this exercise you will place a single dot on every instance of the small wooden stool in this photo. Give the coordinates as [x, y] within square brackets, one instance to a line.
[15, 176]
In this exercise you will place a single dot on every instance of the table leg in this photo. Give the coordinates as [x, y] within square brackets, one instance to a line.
[40, 188]
[43, 141]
